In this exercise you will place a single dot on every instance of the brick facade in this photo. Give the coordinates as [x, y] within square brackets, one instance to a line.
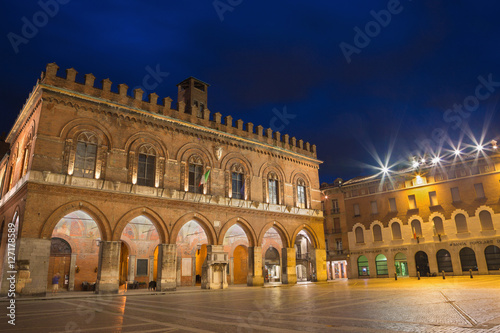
[40, 181]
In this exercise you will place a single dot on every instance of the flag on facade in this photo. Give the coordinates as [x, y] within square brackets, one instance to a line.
[204, 178]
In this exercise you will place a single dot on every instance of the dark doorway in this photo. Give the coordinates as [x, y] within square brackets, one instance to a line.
[444, 261]
[59, 262]
[422, 262]
[468, 259]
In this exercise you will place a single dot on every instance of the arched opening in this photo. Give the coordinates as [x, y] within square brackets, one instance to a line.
[192, 244]
[363, 269]
[401, 264]
[461, 223]
[377, 233]
[438, 225]
[271, 247]
[81, 233]
[236, 244]
[396, 230]
[416, 228]
[303, 256]
[360, 237]
[468, 259]
[492, 254]
[381, 265]
[422, 263]
[444, 261]
[139, 256]
[59, 262]
[272, 265]
[485, 219]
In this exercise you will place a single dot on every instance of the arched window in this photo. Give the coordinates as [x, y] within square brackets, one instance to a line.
[381, 265]
[492, 254]
[272, 187]
[301, 194]
[363, 269]
[396, 230]
[360, 237]
[85, 155]
[438, 225]
[444, 261]
[377, 233]
[485, 219]
[468, 259]
[461, 223]
[26, 156]
[195, 174]
[237, 182]
[416, 228]
[3, 174]
[146, 166]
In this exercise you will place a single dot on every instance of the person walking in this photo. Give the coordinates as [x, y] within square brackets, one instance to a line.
[55, 283]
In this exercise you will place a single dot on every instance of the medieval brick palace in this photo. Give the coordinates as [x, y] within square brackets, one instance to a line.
[113, 192]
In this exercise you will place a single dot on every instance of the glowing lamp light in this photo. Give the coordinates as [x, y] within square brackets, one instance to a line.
[436, 160]
[457, 152]
[479, 147]
[385, 170]
[423, 160]
[415, 164]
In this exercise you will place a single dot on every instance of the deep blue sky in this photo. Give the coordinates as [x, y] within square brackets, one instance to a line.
[266, 55]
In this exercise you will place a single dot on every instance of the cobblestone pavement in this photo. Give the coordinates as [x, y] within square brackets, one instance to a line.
[434, 305]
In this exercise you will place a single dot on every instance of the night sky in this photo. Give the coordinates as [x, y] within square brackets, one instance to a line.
[354, 77]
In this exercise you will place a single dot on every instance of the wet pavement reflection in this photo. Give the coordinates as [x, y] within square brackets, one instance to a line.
[456, 304]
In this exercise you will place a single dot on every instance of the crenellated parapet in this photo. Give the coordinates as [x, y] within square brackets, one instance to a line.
[163, 107]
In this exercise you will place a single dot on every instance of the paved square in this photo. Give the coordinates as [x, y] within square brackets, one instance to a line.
[457, 304]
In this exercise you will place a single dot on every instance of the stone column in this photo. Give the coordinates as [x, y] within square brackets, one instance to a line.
[412, 265]
[231, 270]
[131, 269]
[255, 277]
[32, 265]
[391, 265]
[108, 271]
[167, 267]
[72, 267]
[482, 266]
[320, 264]
[433, 264]
[193, 270]
[455, 262]
[289, 265]
[151, 268]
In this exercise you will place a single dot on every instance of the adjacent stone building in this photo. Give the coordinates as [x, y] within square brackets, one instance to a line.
[433, 217]
[112, 190]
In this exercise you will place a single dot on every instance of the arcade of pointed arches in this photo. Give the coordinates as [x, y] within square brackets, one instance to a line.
[77, 229]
